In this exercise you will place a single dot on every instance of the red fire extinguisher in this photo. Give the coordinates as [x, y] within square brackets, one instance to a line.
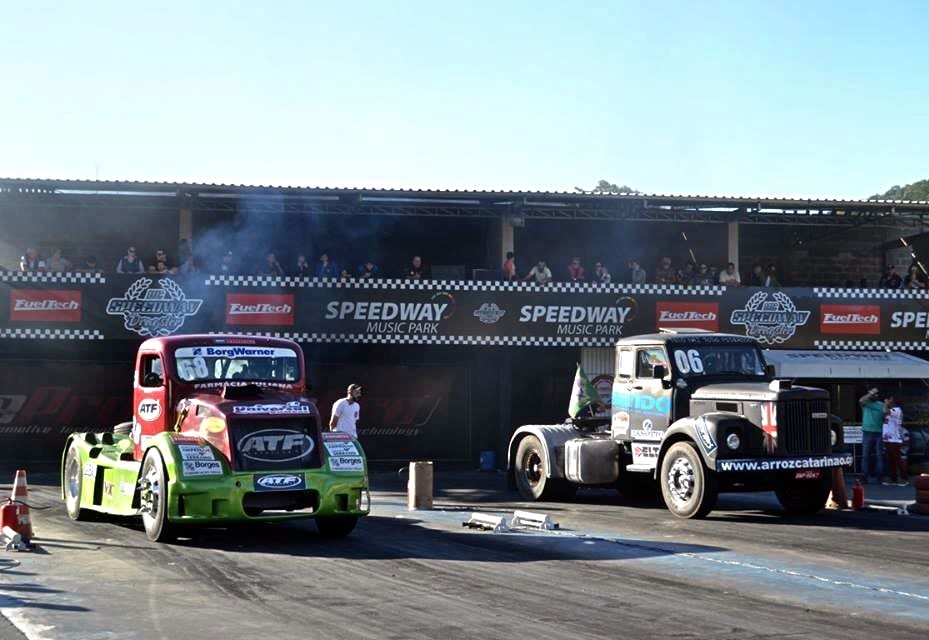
[9, 515]
[857, 495]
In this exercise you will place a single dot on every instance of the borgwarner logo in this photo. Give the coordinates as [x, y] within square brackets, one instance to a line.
[489, 313]
[770, 318]
[154, 310]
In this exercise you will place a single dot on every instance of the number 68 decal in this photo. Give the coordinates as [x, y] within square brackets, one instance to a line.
[688, 361]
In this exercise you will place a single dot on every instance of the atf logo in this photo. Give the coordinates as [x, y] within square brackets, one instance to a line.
[45, 306]
[770, 318]
[279, 482]
[850, 318]
[153, 309]
[260, 309]
[149, 410]
[693, 315]
[489, 313]
[275, 445]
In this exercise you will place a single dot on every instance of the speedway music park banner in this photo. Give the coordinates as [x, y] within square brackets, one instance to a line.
[91, 307]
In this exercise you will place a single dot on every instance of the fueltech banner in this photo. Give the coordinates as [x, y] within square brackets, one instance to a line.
[125, 307]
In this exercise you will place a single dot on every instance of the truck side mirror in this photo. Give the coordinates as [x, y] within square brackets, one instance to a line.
[659, 371]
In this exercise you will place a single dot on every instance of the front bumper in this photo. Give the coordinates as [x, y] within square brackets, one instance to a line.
[799, 463]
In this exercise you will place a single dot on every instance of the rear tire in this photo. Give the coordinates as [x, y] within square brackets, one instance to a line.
[154, 498]
[531, 474]
[803, 497]
[73, 483]
[689, 489]
[335, 527]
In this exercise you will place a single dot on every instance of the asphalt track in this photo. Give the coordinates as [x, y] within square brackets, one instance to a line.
[612, 570]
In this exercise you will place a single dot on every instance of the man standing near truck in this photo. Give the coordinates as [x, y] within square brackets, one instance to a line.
[345, 412]
[872, 429]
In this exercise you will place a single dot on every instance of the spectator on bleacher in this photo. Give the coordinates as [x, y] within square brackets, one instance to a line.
[369, 271]
[270, 267]
[509, 267]
[703, 276]
[162, 256]
[190, 265]
[890, 279]
[183, 250]
[326, 268]
[539, 273]
[602, 274]
[686, 274]
[416, 270]
[770, 279]
[729, 277]
[302, 269]
[30, 261]
[575, 270]
[913, 280]
[665, 273]
[160, 267]
[130, 263]
[56, 263]
[227, 266]
[345, 276]
[89, 265]
[757, 278]
[637, 274]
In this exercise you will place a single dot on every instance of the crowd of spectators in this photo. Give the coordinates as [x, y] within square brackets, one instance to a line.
[689, 272]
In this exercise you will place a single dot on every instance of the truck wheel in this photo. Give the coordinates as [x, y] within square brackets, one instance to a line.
[688, 487]
[73, 484]
[532, 479]
[153, 498]
[803, 497]
[335, 527]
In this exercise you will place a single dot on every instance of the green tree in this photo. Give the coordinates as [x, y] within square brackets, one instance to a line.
[916, 191]
[605, 186]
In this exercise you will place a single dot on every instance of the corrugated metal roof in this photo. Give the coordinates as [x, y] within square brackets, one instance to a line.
[804, 202]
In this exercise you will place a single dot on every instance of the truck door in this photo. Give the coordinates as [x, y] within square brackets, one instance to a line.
[150, 412]
[650, 402]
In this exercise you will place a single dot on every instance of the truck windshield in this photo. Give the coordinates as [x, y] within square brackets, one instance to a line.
[718, 359]
[227, 362]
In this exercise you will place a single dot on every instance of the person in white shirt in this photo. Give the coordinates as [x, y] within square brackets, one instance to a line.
[540, 273]
[894, 435]
[729, 277]
[345, 412]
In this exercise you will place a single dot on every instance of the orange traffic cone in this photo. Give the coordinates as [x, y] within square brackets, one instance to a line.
[21, 498]
[857, 495]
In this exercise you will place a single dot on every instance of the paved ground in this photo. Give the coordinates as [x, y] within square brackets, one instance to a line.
[611, 570]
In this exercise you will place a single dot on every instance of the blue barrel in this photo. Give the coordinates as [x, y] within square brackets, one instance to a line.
[488, 461]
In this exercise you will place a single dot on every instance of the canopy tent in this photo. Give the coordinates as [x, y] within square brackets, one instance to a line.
[846, 365]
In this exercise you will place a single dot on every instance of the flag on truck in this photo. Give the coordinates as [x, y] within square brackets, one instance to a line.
[584, 396]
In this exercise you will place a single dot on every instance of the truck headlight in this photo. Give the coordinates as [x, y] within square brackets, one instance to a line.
[833, 437]
[733, 441]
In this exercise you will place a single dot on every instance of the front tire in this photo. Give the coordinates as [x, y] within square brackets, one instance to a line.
[689, 489]
[154, 498]
[531, 473]
[336, 527]
[73, 480]
[803, 497]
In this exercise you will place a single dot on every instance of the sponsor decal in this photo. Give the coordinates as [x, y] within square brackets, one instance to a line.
[275, 445]
[770, 318]
[647, 432]
[201, 467]
[108, 488]
[89, 469]
[149, 410]
[705, 435]
[153, 308]
[291, 408]
[620, 421]
[279, 482]
[333, 436]
[33, 305]
[395, 317]
[807, 474]
[819, 415]
[489, 313]
[862, 319]
[645, 453]
[195, 452]
[570, 320]
[234, 352]
[346, 448]
[346, 463]
[907, 319]
[785, 464]
[182, 439]
[695, 315]
[126, 488]
[260, 309]
[642, 403]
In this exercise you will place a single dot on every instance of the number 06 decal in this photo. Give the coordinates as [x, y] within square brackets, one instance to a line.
[688, 361]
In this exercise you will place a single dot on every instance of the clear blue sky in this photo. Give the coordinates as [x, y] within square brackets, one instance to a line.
[757, 98]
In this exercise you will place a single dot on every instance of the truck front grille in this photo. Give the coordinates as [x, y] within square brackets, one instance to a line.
[798, 432]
